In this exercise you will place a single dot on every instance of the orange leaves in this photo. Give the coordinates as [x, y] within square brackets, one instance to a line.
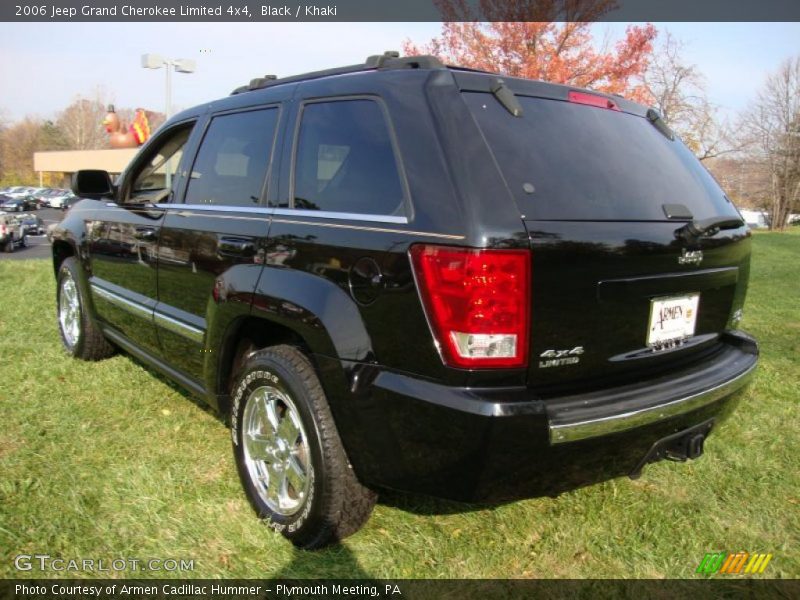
[560, 52]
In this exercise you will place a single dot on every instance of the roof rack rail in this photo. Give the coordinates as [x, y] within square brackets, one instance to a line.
[390, 59]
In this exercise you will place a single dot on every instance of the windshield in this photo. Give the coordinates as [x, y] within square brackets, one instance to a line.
[567, 161]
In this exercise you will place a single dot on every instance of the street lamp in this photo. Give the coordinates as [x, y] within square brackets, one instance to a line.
[181, 65]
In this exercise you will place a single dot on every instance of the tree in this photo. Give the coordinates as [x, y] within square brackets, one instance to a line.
[677, 91]
[19, 141]
[771, 126]
[82, 122]
[522, 39]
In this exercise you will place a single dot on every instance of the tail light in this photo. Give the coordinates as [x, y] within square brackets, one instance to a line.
[477, 302]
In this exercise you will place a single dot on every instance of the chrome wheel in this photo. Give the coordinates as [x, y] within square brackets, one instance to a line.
[276, 450]
[69, 311]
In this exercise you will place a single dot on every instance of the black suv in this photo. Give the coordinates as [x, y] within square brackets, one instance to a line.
[410, 276]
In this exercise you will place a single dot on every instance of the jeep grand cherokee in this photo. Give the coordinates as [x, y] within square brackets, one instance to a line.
[404, 275]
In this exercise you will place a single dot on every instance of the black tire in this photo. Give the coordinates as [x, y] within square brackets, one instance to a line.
[336, 504]
[9, 245]
[90, 343]
[24, 241]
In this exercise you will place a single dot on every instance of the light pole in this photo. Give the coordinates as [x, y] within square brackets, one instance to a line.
[181, 65]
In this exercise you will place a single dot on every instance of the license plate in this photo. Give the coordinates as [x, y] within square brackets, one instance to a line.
[672, 318]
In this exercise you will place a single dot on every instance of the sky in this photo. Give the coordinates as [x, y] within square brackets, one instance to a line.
[44, 66]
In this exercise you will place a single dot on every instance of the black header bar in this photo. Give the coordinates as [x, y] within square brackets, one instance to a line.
[372, 10]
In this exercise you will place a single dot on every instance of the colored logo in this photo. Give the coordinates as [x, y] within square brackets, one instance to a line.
[736, 563]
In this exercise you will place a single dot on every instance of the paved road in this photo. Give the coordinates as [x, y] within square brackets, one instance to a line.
[38, 246]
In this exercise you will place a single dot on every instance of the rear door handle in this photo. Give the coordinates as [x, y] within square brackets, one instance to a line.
[236, 247]
[146, 234]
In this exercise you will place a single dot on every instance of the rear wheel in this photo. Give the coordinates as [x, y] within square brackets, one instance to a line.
[80, 335]
[9, 245]
[288, 452]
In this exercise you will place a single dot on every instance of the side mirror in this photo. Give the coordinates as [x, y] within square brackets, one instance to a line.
[91, 183]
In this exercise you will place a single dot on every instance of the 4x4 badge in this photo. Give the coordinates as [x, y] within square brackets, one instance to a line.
[559, 358]
[690, 257]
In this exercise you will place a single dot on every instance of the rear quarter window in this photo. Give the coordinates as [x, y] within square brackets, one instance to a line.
[345, 160]
[587, 163]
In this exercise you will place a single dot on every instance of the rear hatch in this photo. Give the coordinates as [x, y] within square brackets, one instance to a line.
[620, 288]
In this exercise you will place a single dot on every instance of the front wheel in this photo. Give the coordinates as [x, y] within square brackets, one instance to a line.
[288, 452]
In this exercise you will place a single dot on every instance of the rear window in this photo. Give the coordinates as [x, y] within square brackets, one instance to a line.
[566, 161]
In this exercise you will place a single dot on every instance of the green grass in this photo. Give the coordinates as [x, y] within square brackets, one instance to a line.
[108, 460]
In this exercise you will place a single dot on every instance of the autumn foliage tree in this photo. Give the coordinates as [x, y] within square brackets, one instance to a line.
[526, 39]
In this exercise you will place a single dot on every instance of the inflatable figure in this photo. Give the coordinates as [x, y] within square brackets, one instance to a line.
[126, 137]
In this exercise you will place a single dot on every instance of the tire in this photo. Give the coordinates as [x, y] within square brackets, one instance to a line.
[9, 245]
[319, 500]
[24, 241]
[80, 335]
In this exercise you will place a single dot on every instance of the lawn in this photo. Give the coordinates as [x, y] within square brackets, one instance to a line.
[109, 460]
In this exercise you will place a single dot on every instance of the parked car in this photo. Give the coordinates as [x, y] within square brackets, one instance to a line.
[44, 197]
[14, 191]
[56, 200]
[41, 196]
[17, 204]
[31, 224]
[69, 203]
[21, 192]
[11, 233]
[418, 277]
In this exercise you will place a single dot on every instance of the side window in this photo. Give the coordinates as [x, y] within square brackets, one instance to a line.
[153, 181]
[232, 163]
[345, 161]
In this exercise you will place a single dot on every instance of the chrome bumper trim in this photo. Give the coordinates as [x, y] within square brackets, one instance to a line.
[572, 432]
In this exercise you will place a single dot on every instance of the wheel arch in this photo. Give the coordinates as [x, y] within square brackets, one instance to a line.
[61, 250]
[289, 307]
[245, 335]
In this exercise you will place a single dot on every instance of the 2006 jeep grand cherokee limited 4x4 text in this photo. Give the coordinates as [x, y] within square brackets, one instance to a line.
[410, 276]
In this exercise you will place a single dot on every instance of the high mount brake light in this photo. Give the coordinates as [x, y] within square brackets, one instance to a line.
[477, 302]
[592, 100]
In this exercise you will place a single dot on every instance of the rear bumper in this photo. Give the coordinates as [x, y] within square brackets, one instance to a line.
[611, 411]
[499, 444]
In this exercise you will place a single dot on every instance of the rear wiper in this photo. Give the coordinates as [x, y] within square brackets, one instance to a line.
[658, 122]
[506, 97]
[707, 227]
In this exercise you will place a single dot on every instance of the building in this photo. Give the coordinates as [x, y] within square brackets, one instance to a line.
[68, 161]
